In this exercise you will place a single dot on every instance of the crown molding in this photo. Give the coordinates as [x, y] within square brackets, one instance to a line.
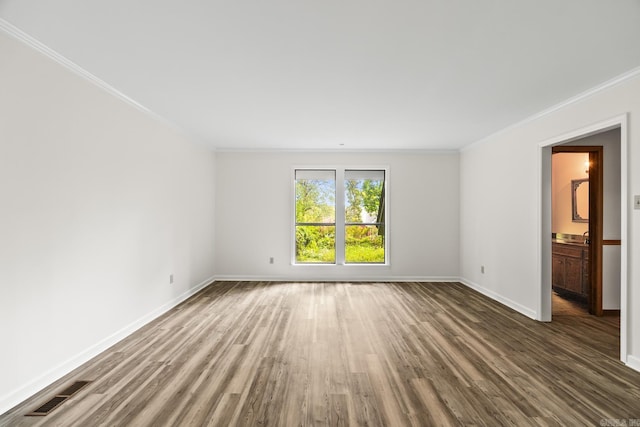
[25, 38]
[74, 68]
[635, 72]
[20, 35]
[335, 151]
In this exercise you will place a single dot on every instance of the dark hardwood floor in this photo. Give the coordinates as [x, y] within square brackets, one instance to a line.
[563, 306]
[393, 354]
[600, 333]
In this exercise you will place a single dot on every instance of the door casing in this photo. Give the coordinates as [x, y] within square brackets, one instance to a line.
[544, 218]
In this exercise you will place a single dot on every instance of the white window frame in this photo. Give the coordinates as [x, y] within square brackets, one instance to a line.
[340, 215]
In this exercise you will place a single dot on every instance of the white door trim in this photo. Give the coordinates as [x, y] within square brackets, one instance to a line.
[544, 218]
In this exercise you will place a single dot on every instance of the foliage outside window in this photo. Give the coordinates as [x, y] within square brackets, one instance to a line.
[357, 233]
[315, 216]
[364, 216]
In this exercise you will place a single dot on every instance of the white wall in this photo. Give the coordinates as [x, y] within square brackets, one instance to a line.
[500, 203]
[254, 216]
[99, 205]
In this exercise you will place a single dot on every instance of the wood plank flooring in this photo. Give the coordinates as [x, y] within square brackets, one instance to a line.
[376, 354]
[574, 319]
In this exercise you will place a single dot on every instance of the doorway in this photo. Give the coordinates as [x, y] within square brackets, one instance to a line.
[612, 243]
[577, 224]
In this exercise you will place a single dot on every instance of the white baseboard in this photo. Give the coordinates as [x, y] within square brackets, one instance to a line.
[16, 397]
[502, 300]
[319, 278]
[633, 362]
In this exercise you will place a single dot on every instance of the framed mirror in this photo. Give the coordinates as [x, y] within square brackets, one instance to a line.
[580, 200]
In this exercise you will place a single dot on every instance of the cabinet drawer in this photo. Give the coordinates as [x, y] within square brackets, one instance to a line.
[573, 251]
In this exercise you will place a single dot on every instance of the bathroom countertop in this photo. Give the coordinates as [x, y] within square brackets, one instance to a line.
[569, 239]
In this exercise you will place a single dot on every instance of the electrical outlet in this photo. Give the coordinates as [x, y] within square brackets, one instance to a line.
[636, 202]
[482, 269]
[271, 260]
[170, 278]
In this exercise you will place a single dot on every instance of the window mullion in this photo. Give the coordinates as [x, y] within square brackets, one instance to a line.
[340, 216]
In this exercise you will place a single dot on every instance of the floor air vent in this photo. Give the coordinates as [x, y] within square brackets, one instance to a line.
[58, 399]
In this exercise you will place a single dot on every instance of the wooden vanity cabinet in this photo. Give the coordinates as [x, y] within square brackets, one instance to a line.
[570, 269]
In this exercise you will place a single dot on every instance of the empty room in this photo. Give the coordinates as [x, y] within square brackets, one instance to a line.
[319, 213]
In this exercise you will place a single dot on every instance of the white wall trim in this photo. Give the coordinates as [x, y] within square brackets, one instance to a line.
[25, 38]
[633, 362]
[499, 298]
[434, 151]
[584, 132]
[543, 227]
[319, 278]
[544, 249]
[70, 65]
[586, 94]
[15, 397]
[625, 203]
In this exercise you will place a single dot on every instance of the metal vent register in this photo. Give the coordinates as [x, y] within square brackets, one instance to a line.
[58, 399]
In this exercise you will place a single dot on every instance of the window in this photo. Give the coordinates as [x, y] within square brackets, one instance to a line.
[364, 216]
[316, 216]
[346, 226]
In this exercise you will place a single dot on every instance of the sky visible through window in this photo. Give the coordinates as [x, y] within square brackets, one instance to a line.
[364, 230]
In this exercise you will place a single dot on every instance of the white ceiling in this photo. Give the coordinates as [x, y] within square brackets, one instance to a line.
[369, 74]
